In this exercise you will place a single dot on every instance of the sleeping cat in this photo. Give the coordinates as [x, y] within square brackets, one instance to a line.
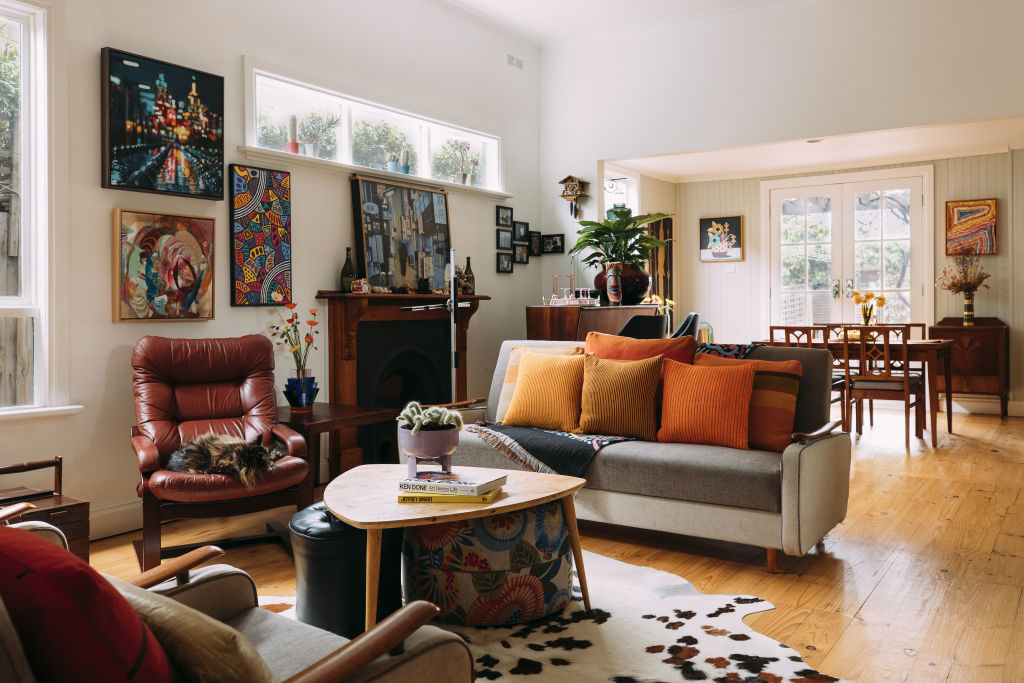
[219, 454]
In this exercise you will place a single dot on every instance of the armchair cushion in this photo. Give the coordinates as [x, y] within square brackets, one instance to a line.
[197, 488]
[60, 606]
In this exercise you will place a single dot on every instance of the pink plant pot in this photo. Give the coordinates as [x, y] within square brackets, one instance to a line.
[429, 446]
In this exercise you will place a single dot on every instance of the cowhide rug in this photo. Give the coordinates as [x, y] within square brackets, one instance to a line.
[646, 625]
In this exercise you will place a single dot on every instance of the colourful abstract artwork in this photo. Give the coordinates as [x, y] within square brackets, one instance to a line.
[721, 239]
[971, 227]
[261, 236]
[163, 266]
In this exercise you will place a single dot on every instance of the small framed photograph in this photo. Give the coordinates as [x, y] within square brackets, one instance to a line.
[535, 242]
[504, 262]
[721, 239]
[553, 244]
[503, 216]
[520, 232]
[503, 238]
[521, 253]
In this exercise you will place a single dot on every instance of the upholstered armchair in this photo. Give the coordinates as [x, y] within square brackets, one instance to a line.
[185, 388]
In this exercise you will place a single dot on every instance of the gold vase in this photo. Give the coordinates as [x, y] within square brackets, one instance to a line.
[968, 309]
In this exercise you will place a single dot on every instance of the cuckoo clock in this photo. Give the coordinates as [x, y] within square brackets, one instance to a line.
[573, 188]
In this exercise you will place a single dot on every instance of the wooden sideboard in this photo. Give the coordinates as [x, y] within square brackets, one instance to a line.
[559, 323]
[980, 360]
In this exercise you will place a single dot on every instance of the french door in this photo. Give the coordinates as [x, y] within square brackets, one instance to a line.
[829, 240]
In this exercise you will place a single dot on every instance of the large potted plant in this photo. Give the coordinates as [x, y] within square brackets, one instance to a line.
[429, 435]
[626, 239]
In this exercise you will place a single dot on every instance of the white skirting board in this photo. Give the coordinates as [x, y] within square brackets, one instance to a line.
[115, 518]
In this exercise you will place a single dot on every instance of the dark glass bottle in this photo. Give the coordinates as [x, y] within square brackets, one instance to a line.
[348, 273]
[469, 279]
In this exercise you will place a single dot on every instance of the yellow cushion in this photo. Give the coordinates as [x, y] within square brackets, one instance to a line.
[515, 356]
[619, 397]
[547, 392]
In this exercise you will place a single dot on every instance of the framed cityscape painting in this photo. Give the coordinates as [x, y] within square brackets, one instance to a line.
[163, 266]
[261, 236]
[163, 127]
[402, 237]
[971, 227]
[721, 239]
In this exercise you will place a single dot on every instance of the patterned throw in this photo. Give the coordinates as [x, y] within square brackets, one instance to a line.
[544, 450]
[727, 350]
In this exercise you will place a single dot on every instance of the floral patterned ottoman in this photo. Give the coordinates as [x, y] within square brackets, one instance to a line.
[491, 571]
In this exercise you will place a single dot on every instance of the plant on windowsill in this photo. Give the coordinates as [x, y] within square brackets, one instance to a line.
[965, 276]
[301, 388]
[317, 132]
[626, 239]
[456, 159]
[430, 434]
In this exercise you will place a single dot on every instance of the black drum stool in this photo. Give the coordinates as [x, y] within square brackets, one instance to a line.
[330, 572]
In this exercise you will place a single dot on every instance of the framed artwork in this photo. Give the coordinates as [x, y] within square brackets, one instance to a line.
[721, 239]
[971, 227]
[503, 216]
[503, 238]
[261, 235]
[521, 252]
[535, 243]
[521, 232]
[163, 127]
[402, 233]
[504, 264]
[553, 244]
[163, 266]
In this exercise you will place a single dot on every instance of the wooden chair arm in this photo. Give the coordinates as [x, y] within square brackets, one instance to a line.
[382, 638]
[14, 510]
[175, 566]
[469, 403]
[822, 431]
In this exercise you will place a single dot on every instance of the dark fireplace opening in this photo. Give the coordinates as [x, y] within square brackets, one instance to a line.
[398, 362]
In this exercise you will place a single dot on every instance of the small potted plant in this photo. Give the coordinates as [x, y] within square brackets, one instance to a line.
[393, 162]
[404, 160]
[430, 434]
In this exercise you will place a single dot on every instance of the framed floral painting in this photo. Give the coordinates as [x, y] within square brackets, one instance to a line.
[721, 239]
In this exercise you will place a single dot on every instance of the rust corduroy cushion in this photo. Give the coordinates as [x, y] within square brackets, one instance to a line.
[620, 397]
[706, 405]
[547, 392]
[613, 347]
[773, 401]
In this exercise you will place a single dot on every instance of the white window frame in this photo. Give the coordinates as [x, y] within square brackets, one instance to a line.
[253, 68]
[927, 175]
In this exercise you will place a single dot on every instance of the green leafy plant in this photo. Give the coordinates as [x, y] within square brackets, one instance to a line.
[317, 128]
[269, 134]
[416, 418]
[626, 239]
[374, 143]
[455, 156]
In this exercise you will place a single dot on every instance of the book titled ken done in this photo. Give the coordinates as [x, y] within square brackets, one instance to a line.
[444, 482]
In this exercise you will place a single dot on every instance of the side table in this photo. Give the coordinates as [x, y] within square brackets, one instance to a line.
[68, 514]
[980, 358]
[331, 417]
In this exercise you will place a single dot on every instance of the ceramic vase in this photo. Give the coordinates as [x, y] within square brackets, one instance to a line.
[433, 445]
[633, 281]
[968, 309]
[301, 390]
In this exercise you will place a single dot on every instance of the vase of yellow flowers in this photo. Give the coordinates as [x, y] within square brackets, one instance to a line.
[871, 306]
[301, 388]
[965, 276]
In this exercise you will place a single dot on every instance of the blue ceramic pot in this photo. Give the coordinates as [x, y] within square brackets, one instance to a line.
[301, 391]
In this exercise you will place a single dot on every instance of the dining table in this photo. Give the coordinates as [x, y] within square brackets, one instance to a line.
[933, 353]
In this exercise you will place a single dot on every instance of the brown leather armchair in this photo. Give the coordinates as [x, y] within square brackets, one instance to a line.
[185, 388]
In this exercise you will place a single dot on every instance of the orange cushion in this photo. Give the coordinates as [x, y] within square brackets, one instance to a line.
[547, 392]
[706, 405]
[612, 347]
[619, 397]
[773, 402]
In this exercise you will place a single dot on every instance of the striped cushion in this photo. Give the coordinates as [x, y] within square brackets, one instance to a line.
[706, 405]
[508, 386]
[773, 403]
[547, 392]
[619, 397]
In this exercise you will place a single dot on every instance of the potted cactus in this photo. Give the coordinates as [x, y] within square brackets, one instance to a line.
[404, 160]
[393, 162]
[428, 435]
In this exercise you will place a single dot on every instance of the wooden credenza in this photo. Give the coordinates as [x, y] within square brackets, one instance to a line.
[558, 323]
[980, 360]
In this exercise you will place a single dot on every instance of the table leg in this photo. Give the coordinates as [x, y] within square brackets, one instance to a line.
[948, 373]
[933, 397]
[569, 510]
[373, 537]
[313, 455]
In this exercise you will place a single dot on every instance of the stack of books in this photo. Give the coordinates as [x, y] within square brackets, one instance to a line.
[445, 487]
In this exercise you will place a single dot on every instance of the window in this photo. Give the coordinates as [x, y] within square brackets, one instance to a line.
[620, 193]
[289, 115]
[24, 223]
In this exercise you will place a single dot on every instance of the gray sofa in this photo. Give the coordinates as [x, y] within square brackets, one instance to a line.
[779, 501]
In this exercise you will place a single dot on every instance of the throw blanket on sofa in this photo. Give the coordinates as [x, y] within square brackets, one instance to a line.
[544, 450]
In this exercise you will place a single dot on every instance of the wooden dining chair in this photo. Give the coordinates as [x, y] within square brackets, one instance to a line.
[877, 367]
[807, 335]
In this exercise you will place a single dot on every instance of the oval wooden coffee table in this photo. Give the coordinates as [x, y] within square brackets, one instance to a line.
[367, 498]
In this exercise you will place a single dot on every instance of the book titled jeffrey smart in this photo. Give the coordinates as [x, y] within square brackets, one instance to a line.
[417, 497]
[451, 482]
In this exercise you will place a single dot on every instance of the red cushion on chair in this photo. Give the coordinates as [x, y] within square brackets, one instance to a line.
[73, 624]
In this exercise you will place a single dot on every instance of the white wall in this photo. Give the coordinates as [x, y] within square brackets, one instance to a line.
[414, 54]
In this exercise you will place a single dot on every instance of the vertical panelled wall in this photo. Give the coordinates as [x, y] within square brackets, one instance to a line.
[731, 295]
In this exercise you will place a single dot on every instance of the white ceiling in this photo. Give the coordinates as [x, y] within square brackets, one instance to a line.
[550, 22]
[841, 151]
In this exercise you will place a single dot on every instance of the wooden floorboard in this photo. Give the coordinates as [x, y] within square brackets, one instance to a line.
[923, 580]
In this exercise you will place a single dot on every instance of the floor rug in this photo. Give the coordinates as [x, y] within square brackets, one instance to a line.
[647, 625]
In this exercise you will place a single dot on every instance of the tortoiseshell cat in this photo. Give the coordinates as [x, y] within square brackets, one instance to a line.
[218, 454]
